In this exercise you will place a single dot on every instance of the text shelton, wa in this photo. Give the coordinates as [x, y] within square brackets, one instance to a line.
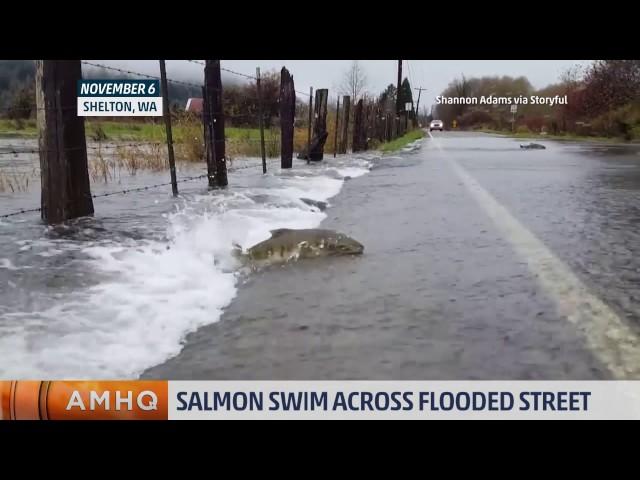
[119, 106]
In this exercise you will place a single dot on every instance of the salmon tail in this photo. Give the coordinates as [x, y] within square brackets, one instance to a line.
[237, 250]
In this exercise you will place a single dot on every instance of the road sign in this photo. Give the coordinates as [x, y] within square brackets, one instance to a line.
[514, 108]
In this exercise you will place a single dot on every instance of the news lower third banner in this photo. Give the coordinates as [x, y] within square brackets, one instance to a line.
[119, 98]
[318, 400]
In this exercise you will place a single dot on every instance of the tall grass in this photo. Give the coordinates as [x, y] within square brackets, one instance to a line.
[16, 181]
[102, 167]
[18, 128]
[108, 165]
[189, 143]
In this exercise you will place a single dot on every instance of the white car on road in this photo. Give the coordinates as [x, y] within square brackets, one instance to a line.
[436, 125]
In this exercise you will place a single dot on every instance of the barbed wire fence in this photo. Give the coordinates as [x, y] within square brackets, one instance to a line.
[205, 136]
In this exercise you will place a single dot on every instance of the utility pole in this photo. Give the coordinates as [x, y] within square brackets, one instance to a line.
[420, 89]
[398, 99]
[399, 105]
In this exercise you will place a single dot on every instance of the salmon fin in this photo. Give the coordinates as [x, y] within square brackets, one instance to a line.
[237, 250]
[279, 231]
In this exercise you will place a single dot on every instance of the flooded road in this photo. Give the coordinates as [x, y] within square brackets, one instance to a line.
[482, 261]
[448, 287]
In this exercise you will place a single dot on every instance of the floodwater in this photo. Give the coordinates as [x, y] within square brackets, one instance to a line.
[109, 296]
[482, 261]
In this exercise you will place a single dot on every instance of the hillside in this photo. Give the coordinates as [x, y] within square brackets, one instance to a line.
[16, 75]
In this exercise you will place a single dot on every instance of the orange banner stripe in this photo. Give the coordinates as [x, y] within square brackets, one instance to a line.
[83, 400]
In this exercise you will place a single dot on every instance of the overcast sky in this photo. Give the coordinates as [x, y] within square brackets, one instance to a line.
[434, 75]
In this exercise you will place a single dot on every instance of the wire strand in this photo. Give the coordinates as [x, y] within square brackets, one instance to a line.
[143, 188]
[129, 72]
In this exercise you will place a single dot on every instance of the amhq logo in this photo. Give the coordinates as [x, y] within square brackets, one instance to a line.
[119, 98]
[83, 400]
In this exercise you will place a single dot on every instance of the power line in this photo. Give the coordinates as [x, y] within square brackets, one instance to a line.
[306, 94]
[409, 72]
[410, 75]
[129, 72]
[226, 70]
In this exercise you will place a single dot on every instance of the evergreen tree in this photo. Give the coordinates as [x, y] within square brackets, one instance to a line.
[405, 93]
[387, 99]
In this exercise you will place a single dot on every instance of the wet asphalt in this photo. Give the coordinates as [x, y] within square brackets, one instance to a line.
[441, 292]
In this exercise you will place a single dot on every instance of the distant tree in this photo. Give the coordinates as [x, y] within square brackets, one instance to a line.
[462, 89]
[610, 84]
[23, 103]
[602, 98]
[405, 93]
[354, 82]
[387, 99]
[14, 75]
[241, 100]
[270, 89]
[495, 86]
[462, 86]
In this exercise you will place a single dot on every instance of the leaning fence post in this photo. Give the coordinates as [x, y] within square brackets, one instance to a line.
[167, 123]
[66, 191]
[335, 139]
[310, 122]
[261, 121]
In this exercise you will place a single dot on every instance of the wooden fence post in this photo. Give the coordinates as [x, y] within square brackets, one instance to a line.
[167, 123]
[346, 106]
[387, 127]
[209, 144]
[310, 122]
[287, 118]
[358, 127]
[65, 190]
[216, 159]
[365, 124]
[261, 120]
[335, 138]
[320, 133]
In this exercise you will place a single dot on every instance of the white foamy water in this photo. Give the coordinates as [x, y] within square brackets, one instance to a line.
[8, 264]
[151, 294]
